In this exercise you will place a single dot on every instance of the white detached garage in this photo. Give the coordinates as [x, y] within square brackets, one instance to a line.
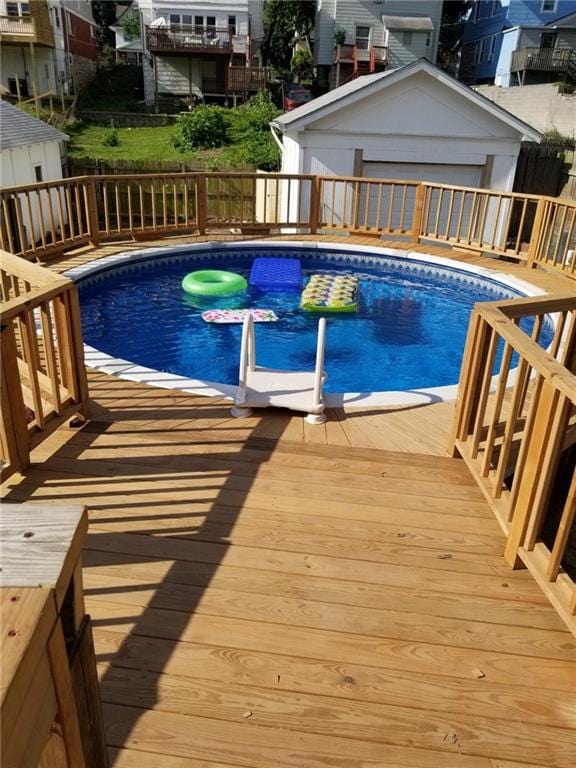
[412, 123]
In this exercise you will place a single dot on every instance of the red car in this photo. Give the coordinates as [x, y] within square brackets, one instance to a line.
[294, 95]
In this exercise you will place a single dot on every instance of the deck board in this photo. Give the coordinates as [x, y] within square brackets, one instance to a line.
[265, 593]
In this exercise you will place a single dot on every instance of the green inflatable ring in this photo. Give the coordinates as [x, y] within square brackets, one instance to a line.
[213, 282]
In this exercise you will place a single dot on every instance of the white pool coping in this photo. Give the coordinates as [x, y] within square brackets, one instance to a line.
[124, 369]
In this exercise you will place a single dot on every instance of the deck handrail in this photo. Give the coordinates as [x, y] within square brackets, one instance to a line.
[44, 378]
[49, 218]
[515, 426]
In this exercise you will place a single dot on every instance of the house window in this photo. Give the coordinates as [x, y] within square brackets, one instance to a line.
[492, 47]
[475, 53]
[232, 24]
[482, 49]
[18, 9]
[198, 24]
[428, 40]
[362, 39]
[24, 9]
[495, 7]
[38, 172]
[210, 25]
[69, 24]
[407, 38]
[174, 19]
[548, 6]
[475, 11]
[548, 40]
[187, 20]
[57, 18]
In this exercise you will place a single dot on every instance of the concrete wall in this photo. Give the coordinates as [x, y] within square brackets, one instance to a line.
[538, 105]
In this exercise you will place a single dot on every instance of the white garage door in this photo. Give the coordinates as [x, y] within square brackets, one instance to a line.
[461, 175]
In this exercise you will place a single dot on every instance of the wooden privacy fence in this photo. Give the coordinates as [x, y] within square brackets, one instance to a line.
[40, 220]
[43, 375]
[515, 426]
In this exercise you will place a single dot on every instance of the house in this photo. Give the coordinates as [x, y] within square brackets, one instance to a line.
[517, 42]
[30, 151]
[128, 36]
[356, 37]
[47, 46]
[208, 49]
[415, 122]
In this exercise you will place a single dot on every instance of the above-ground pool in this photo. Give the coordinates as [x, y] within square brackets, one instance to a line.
[407, 335]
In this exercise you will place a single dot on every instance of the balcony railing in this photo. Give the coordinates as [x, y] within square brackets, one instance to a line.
[544, 59]
[241, 79]
[183, 39]
[34, 28]
[349, 54]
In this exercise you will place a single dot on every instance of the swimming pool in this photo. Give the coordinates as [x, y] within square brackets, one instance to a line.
[407, 336]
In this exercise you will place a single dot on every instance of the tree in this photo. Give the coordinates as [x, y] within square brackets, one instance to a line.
[452, 25]
[104, 13]
[283, 19]
[301, 66]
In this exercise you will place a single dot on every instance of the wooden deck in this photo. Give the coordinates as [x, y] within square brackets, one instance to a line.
[267, 594]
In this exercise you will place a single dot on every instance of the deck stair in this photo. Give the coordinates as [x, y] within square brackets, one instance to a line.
[259, 600]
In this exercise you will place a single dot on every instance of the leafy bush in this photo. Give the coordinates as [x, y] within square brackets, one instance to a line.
[111, 138]
[339, 36]
[206, 127]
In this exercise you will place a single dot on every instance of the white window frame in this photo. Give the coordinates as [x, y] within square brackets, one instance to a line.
[368, 39]
[554, 8]
[481, 49]
[492, 48]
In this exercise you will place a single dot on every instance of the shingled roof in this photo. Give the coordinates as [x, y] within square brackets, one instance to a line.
[19, 129]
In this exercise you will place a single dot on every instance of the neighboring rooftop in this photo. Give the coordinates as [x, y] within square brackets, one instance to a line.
[19, 129]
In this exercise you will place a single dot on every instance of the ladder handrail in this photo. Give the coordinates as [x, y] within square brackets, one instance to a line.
[319, 371]
[247, 350]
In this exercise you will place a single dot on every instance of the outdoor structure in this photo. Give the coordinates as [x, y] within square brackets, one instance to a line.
[47, 47]
[210, 50]
[31, 151]
[128, 35]
[356, 37]
[416, 122]
[518, 42]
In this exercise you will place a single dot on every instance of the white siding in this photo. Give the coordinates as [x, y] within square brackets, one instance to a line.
[324, 32]
[174, 75]
[400, 54]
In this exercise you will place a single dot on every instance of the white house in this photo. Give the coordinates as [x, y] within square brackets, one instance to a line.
[415, 122]
[30, 151]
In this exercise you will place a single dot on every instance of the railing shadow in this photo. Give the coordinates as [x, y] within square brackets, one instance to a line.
[151, 467]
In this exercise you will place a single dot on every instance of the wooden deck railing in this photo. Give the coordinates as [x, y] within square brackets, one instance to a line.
[543, 59]
[515, 426]
[43, 374]
[40, 220]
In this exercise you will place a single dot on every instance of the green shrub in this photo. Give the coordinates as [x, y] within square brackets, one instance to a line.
[111, 138]
[302, 65]
[206, 127]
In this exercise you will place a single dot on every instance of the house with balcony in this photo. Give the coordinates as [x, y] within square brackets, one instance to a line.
[519, 42]
[26, 48]
[358, 37]
[201, 50]
[46, 47]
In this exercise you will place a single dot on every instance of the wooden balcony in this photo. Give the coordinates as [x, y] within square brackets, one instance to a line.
[34, 28]
[189, 41]
[245, 79]
[364, 61]
[558, 60]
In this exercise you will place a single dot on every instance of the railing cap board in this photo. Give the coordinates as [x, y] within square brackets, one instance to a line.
[537, 358]
[41, 544]
[31, 273]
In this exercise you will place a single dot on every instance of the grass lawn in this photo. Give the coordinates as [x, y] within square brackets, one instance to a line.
[153, 144]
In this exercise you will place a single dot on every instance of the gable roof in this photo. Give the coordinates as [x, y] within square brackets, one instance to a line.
[19, 129]
[363, 87]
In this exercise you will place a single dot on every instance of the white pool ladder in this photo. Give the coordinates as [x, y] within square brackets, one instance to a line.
[264, 387]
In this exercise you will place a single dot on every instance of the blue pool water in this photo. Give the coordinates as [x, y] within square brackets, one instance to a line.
[408, 333]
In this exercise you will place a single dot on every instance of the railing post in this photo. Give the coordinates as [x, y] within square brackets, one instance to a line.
[201, 204]
[92, 213]
[539, 466]
[418, 213]
[14, 429]
[314, 215]
[536, 234]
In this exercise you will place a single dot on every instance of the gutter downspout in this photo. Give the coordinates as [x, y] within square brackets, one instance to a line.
[276, 139]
